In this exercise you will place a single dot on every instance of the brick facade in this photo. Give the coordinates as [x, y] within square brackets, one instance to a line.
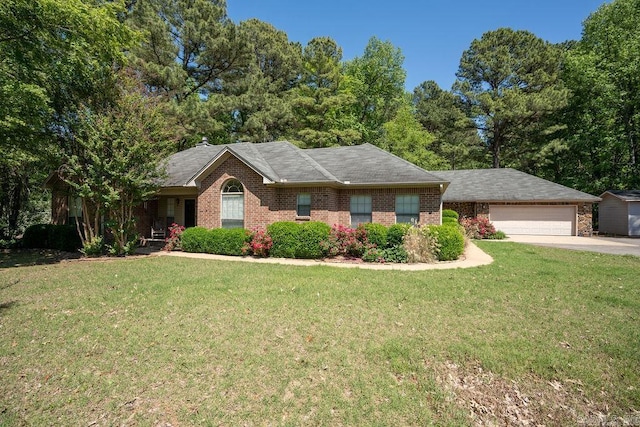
[265, 204]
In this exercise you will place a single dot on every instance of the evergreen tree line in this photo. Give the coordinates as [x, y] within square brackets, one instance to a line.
[100, 91]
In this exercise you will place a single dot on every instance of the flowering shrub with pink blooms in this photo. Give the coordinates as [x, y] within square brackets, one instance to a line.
[480, 228]
[259, 244]
[346, 241]
[173, 241]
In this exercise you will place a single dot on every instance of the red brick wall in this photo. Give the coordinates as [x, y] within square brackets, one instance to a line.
[264, 205]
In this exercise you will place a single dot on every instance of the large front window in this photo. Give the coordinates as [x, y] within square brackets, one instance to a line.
[360, 210]
[232, 204]
[408, 208]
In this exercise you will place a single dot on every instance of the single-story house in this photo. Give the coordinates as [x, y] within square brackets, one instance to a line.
[519, 203]
[252, 185]
[619, 212]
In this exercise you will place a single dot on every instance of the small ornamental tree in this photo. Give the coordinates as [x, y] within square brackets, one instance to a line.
[115, 163]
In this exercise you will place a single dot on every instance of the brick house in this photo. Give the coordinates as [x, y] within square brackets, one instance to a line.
[253, 185]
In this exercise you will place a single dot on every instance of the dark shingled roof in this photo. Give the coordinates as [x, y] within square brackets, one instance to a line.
[496, 185]
[284, 163]
[626, 195]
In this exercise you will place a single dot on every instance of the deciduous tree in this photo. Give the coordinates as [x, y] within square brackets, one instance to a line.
[603, 117]
[377, 80]
[116, 162]
[55, 54]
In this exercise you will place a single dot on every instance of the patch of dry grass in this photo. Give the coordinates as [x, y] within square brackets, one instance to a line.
[153, 341]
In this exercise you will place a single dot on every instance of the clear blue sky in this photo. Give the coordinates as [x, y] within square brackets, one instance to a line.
[432, 34]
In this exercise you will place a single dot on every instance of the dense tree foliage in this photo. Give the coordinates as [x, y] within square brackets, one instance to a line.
[261, 108]
[603, 117]
[189, 49]
[509, 81]
[55, 54]
[377, 81]
[456, 139]
[324, 107]
[405, 137]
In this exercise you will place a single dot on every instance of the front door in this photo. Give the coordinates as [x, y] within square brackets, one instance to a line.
[189, 213]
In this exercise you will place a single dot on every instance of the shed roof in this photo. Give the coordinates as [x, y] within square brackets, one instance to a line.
[625, 195]
[506, 184]
[285, 164]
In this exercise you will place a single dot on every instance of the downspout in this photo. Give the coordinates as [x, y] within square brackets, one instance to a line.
[441, 192]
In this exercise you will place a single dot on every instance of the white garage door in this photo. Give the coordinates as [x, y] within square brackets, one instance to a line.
[539, 220]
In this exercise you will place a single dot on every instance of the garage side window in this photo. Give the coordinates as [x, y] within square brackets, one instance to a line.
[408, 208]
[232, 204]
[360, 210]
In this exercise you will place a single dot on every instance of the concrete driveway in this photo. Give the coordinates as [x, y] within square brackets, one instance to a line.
[607, 245]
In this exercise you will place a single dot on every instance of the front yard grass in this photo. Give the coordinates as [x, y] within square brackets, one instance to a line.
[542, 335]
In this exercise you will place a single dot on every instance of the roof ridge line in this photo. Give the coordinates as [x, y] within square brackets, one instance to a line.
[274, 176]
[400, 158]
[315, 164]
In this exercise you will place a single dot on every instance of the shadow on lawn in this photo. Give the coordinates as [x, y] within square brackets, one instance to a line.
[4, 306]
[29, 257]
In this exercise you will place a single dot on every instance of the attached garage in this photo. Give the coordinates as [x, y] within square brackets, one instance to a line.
[519, 203]
[535, 220]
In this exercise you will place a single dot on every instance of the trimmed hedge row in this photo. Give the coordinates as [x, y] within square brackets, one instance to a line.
[52, 236]
[312, 240]
[220, 241]
[298, 240]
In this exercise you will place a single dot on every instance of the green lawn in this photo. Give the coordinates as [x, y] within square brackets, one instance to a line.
[542, 335]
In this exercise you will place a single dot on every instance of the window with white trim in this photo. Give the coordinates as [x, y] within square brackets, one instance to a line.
[232, 204]
[171, 211]
[303, 207]
[408, 208]
[360, 210]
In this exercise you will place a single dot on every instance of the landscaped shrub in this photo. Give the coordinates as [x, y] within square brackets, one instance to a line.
[450, 241]
[449, 220]
[194, 239]
[480, 228]
[395, 234]
[226, 241]
[346, 241]
[173, 241]
[94, 247]
[52, 236]
[310, 238]
[396, 254]
[259, 243]
[449, 213]
[376, 233]
[285, 238]
[36, 236]
[421, 245]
